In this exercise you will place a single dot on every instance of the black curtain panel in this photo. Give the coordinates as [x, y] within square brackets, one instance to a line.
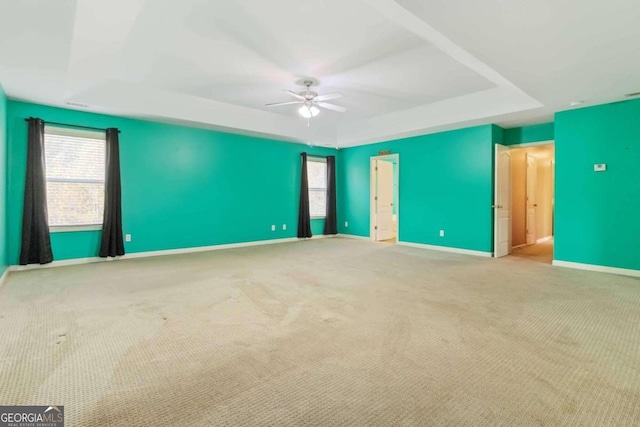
[331, 220]
[112, 243]
[304, 218]
[36, 241]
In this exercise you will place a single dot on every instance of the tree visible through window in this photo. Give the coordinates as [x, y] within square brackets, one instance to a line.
[317, 176]
[75, 171]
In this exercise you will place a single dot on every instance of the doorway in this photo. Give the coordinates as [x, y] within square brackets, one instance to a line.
[384, 198]
[524, 201]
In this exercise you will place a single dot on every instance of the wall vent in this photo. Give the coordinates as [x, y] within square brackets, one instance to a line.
[77, 104]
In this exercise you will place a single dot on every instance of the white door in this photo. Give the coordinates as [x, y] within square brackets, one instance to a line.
[532, 177]
[502, 202]
[384, 200]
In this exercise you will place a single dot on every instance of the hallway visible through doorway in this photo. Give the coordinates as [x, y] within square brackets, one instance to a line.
[539, 252]
[524, 201]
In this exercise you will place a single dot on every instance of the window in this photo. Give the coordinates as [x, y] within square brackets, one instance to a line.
[75, 171]
[317, 176]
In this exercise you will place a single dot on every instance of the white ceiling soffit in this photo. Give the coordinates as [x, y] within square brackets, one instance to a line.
[558, 51]
[214, 64]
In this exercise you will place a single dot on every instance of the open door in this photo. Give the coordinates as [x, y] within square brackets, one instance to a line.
[532, 180]
[502, 202]
[383, 200]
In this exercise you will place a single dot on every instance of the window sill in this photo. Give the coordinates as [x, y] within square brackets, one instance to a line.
[72, 228]
[318, 217]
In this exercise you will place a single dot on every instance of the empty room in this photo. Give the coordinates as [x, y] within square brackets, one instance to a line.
[309, 213]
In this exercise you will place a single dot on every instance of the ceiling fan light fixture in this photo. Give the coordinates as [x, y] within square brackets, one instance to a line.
[308, 111]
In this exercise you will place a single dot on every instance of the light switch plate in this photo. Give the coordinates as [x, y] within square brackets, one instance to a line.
[600, 167]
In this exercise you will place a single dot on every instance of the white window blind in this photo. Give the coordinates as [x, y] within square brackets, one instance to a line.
[75, 173]
[317, 177]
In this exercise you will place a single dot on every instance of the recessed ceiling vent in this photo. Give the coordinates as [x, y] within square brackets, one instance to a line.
[77, 104]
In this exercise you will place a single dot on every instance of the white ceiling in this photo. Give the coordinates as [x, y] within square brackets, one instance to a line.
[405, 67]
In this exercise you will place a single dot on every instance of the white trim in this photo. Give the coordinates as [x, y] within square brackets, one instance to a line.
[395, 159]
[135, 255]
[533, 144]
[317, 159]
[319, 236]
[498, 149]
[544, 239]
[208, 248]
[4, 276]
[352, 236]
[62, 130]
[447, 249]
[598, 268]
[74, 228]
[62, 263]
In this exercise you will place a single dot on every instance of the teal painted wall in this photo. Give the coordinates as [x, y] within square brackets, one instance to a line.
[497, 134]
[4, 257]
[526, 134]
[597, 212]
[181, 187]
[446, 182]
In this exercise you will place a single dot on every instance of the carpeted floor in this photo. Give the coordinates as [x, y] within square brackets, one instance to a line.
[540, 252]
[324, 332]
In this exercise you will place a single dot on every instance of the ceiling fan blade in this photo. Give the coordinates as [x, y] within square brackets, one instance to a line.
[292, 93]
[332, 107]
[329, 96]
[275, 104]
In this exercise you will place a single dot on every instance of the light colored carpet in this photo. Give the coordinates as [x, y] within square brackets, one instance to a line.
[540, 252]
[327, 332]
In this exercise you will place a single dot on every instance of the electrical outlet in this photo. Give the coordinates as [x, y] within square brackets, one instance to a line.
[441, 233]
[346, 224]
[273, 228]
[284, 226]
[127, 237]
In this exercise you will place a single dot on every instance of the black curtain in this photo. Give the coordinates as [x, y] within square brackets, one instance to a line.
[36, 242]
[331, 220]
[112, 243]
[304, 218]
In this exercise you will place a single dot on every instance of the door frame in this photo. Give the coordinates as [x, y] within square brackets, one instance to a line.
[373, 189]
[495, 183]
[498, 148]
[527, 222]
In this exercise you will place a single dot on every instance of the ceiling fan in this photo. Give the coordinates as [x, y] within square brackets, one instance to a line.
[311, 101]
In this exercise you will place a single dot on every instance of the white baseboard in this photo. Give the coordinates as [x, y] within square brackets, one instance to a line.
[63, 263]
[209, 248]
[544, 239]
[134, 255]
[447, 249]
[598, 268]
[353, 236]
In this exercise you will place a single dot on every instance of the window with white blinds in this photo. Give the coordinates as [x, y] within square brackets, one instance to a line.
[75, 172]
[317, 178]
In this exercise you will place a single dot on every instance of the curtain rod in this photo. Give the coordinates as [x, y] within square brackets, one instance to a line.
[73, 126]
